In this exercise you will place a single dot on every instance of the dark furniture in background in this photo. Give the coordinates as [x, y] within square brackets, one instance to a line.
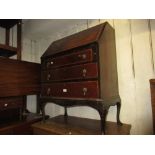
[19, 77]
[5, 49]
[20, 127]
[152, 87]
[17, 80]
[81, 70]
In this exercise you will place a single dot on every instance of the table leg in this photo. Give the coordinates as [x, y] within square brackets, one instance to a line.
[65, 114]
[20, 114]
[118, 113]
[103, 114]
[38, 104]
[42, 108]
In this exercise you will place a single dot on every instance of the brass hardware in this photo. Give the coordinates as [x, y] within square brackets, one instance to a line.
[83, 56]
[5, 105]
[70, 133]
[84, 91]
[84, 72]
[64, 90]
[48, 76]
[48, 64]
[48, 91]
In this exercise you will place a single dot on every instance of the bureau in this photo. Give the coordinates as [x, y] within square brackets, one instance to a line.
[81, 70]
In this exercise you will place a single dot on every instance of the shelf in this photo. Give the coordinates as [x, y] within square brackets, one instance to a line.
[7, 51]
[8, 23]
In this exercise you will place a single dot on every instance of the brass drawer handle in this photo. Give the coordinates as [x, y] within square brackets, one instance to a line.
[69, 132]
[84, 71]
[48, 76]
[5, 105]
[85, 91]
[48, 91]
[83, 56]
[49, 63]
[64, 90]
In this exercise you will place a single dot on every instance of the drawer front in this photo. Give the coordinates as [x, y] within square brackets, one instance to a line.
[12, 102]
[74, 58]
[85, 71]
[89, 89]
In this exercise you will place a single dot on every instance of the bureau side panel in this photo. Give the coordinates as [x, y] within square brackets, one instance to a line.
[152, 87]
[108, 64]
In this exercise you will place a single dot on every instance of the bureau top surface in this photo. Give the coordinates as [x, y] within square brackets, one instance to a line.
[79, 39]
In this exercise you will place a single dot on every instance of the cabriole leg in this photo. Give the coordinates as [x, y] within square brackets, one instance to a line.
[118, 113]
[65, 114]
[103, 114]
[42, 108]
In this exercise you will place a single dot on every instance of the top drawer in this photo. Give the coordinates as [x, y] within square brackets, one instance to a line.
[70, 59]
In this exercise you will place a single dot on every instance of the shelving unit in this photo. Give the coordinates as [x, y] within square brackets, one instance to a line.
[18, 79]
[6, 50]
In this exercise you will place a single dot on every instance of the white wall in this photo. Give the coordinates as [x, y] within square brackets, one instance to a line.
[135, 45]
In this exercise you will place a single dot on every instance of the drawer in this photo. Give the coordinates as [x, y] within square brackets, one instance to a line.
[70, 59]
[11, 102]
[88, 89]
[85, 71]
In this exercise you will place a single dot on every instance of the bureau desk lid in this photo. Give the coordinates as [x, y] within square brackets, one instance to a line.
[79, 39]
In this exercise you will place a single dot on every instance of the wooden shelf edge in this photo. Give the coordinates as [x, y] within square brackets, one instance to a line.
[7, 51]
[10, 48]
[9, 23]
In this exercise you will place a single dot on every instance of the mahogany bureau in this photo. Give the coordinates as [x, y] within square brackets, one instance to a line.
[81, 70]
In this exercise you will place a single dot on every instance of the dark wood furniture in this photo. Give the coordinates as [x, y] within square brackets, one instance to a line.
[18, 79]
[6, 50]
[152, 87]
[20, 127]
[81, 70]
[61, 125]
